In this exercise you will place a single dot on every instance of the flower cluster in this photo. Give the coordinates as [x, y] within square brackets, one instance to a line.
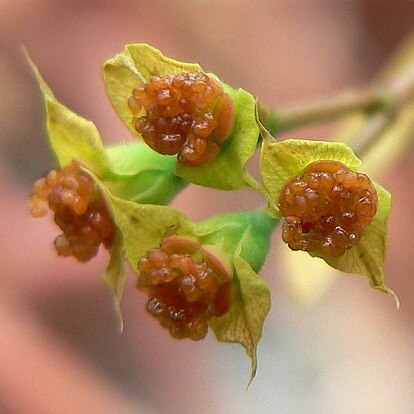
[187, 285]
[201, 275]
[79, 211]
[327, 208]
[188, 114]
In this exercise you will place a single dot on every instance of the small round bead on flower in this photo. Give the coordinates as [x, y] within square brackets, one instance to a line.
[327, 208]
[188, 114]
[79, 211]
[185, 287]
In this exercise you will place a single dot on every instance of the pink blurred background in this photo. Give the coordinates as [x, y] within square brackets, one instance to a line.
[60, 347]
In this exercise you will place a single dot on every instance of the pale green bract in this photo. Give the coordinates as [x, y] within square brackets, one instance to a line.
[227, 171]
[73, 137]
[282, 161]
[115, 274]
[132, 171]
[140, 174]
[244, 321]
[134, 67]
[144, 226]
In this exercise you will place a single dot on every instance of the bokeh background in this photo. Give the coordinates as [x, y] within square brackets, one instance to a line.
[347, 351]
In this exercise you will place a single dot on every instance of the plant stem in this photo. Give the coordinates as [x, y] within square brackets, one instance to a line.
[401, 88]
[323, 109]
[382, 103]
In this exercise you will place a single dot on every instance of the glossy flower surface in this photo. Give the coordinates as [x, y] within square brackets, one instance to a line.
[79, 210]
[188, 114]
[187, 285]
[327, 208]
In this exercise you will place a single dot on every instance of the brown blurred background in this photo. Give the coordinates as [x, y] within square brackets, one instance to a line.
[60, 348]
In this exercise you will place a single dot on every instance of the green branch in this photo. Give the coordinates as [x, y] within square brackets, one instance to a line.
[324, 109]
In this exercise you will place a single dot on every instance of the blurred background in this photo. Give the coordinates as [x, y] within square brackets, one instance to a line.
[346, 351]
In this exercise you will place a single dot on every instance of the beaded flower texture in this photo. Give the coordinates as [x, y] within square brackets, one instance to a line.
[188, 114]
[79, 210]
[327, 208]
[187, 286]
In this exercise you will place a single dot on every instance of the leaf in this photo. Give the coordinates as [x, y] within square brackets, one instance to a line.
[143, 225]
[244, 236]
[134, 67]
[70, 135]
[243, 324]
[227, 230]
[115, 274]
[134, 157]
[140, 174]
[367, 257]
[228, 171]
[282, 161]
[148, 187]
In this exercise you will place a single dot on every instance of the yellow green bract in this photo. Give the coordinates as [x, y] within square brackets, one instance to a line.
[136, 65]
[133, 68]
[142, 175]
[228, 171]
[244, 321]
[70, 135]
[115, 274]
[73, 137]
[133, 171]
[144, 226]
[282, 161]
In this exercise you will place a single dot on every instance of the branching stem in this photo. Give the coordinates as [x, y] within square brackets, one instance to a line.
[401, 88]
[381, 103]
[323, 109]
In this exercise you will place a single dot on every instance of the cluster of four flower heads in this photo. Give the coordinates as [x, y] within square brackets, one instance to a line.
[200, 274]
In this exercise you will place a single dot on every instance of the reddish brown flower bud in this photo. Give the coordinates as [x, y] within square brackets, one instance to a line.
[187, 286]
[327, 208]
[79, 211]
[188, 114]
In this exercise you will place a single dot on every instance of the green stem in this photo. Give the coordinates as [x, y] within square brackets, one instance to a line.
[255, 185]
[383, 104]
[324, 109]
[401, 87]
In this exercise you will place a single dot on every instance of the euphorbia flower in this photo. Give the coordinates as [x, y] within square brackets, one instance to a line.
[330, 210]
[327, 208]
[188, 114]
[79, 210]
[188, 284]
[199, 274]
[177, 108]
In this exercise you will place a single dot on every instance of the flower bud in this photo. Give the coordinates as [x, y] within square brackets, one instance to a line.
[187, 284]
[327, 208]
[188, 114]
[79, 211]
